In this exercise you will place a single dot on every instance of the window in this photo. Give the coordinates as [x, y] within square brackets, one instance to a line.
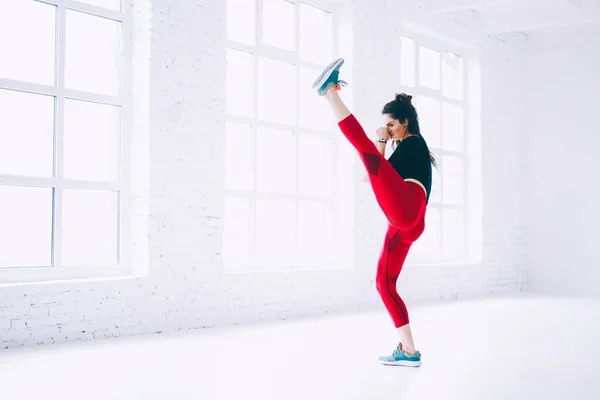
[63, 169]
[436, 78]
[282, 153]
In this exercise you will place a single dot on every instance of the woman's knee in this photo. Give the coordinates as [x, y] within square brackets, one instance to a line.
[411, 233]
[405, 222]
[381, 283]
[385, 285]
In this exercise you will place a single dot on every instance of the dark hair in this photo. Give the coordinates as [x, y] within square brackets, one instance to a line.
[401, 108]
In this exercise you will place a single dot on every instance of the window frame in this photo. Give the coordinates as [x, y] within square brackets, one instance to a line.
[122, 186]
[260, 49]
[439, 152]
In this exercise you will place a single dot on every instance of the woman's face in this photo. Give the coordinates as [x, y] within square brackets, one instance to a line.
[394, 127]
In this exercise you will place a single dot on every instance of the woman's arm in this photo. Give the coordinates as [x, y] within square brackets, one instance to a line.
[381, 148]
[382, 133]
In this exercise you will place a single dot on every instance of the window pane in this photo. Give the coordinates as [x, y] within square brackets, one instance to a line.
[26, 228]
[276, 161]
[452, 179]
[276, 91]
[239, 170]
[315, 234]
[407, 63]
[279, 24]
[27, 29]
[276, 233]
[89, 227]
[26, 134]
[436, 183]
[316, 166]
[241, 24]
[93, 53]
[316, 34]
[429, 68]
[240, 83]
[430, 120]
[314, 113]
[452, 76]
[452, 127]
[91, 141]
[428, 248]
[453, 235]
[110, 4]
[236, 242]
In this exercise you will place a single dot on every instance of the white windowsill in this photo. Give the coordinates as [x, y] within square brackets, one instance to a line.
[443, 264]
[264, 270]
[284, 270]
[15, 277]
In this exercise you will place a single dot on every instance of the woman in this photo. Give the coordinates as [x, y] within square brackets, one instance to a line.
[401, 184]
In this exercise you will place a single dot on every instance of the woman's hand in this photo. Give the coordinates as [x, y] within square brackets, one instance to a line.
[382, 133]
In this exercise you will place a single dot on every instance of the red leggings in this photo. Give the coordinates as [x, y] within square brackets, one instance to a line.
[404, 205]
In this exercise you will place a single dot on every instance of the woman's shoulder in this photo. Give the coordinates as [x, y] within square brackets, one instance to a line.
[413, 141]
[414, 138]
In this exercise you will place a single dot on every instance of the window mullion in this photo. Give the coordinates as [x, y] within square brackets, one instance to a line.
[125, 155]
[59, 126]
[253, 195]
[297, 126]
[253, 199]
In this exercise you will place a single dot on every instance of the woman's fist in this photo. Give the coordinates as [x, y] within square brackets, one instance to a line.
[382, 133]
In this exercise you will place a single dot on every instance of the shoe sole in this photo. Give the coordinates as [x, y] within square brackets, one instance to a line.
[402, 363]
[327, 73]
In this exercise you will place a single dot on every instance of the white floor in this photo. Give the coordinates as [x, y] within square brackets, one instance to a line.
[510, 348]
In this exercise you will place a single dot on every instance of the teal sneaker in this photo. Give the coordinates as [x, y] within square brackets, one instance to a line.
[329, 77]
[400, 357]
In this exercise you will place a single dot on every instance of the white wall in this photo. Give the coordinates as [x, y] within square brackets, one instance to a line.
[563, 162]
[187, 287]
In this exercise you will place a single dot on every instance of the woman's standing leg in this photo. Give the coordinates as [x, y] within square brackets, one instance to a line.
[391, 261]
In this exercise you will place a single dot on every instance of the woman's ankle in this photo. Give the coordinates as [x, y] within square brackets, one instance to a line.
[407, 349]
[331, 91]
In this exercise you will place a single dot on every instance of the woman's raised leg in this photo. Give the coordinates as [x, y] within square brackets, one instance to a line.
[402, 202]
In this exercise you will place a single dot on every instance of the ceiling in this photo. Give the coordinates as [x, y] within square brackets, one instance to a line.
[514, 16]
[510, 16]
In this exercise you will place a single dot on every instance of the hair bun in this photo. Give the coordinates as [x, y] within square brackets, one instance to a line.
[404, 97]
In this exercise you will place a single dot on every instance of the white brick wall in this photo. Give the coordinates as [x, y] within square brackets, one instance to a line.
[563, 164]
[187, 287]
